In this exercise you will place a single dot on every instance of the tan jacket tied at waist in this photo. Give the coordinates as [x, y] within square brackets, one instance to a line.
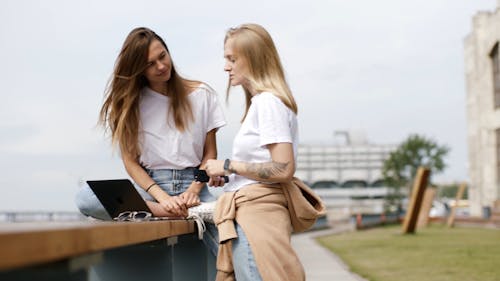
[262, 210]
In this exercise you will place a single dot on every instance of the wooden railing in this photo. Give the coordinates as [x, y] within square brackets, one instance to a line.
[92, 250]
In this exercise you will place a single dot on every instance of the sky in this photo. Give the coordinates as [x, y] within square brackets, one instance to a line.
[386, 68]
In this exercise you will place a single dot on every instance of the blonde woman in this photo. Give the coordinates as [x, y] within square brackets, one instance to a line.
[252, 214]
[164, 126]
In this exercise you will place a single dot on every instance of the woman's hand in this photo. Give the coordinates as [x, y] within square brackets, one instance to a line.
[214, 168]
[158, 210]
[216, 181]
[190, 198]
[175, 205]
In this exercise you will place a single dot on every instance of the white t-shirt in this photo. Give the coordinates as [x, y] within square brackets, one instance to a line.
[268, 121]
[165, 147]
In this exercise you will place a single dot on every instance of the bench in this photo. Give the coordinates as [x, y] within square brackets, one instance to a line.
[95, 250]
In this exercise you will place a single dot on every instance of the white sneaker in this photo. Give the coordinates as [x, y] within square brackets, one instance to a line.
[200, 214]
[205, 211]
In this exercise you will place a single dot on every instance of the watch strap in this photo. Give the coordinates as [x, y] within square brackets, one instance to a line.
[227, 162]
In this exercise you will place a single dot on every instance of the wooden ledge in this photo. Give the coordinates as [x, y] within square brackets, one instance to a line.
[25, 244]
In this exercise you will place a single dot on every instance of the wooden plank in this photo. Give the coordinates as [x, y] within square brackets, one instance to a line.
[24, 244]
[460, 194]
[423, 216]
[417, 193]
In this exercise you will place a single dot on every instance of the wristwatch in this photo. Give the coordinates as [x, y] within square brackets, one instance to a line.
[227, 162]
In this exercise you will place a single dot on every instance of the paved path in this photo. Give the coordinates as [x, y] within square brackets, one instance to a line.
[319, 263]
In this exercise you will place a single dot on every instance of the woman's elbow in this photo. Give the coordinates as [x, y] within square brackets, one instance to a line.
[288, 178]
[287, 175]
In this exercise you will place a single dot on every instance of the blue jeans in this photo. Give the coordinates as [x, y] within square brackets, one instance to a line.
[173, 182]
[245, 268]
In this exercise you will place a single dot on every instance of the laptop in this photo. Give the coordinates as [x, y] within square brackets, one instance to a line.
[119, 195]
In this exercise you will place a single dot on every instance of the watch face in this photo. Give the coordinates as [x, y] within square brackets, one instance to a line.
[226, 164]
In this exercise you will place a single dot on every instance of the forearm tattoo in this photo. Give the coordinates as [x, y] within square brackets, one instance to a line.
[266, 170]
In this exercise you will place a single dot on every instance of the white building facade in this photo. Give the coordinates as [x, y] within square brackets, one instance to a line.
[353, 160]
[482, 71]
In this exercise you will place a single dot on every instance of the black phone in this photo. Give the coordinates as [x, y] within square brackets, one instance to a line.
[201, 176]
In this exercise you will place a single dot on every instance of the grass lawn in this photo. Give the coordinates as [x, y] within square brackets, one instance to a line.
[433, 253]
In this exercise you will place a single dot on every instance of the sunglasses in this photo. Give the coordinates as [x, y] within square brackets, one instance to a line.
[133, 216]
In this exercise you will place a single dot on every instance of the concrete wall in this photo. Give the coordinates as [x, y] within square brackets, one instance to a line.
[482, 116]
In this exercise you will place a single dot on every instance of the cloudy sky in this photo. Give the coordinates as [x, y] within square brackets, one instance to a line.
[387, 68]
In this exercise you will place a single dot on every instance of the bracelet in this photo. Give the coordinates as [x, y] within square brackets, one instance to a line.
[149, 187]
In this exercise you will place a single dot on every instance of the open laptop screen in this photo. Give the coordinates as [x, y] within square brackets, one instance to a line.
[117, 196]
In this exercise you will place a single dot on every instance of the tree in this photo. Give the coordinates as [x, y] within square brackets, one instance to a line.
[400, 168]
[450, 191]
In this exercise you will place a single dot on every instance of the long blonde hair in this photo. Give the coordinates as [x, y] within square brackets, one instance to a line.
[120, 111]
[253, 44]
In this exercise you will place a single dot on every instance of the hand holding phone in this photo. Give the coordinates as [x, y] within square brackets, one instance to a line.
[201, 176]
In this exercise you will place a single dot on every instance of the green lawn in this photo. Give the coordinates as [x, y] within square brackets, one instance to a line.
[433, 253]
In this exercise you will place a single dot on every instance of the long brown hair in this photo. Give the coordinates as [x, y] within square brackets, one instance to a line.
[255, 46]
[120, 111]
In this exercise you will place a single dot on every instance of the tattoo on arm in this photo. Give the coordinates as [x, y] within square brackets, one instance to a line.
[231, 169]
[266, 170]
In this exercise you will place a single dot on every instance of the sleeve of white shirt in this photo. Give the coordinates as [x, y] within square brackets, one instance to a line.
[274, 124]
[215, 117]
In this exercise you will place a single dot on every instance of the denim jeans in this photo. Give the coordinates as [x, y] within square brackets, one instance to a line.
[173, 182]
[245, 268]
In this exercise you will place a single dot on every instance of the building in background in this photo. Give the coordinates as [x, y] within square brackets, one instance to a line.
[350, 160]
[482, 71]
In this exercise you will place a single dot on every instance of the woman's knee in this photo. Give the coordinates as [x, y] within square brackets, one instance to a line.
[89, 205]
